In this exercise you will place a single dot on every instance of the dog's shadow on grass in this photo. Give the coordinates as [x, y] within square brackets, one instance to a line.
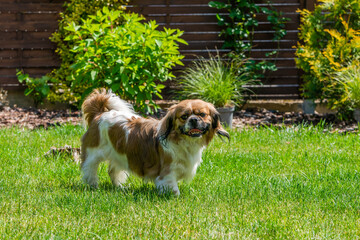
[145, 191]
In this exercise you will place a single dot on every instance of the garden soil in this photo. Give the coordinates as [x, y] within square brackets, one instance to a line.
[39, 118]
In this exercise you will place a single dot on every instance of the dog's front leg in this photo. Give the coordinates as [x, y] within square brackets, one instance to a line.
[167, 183]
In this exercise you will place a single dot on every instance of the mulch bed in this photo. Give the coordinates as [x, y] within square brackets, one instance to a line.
[263, 117]
[39, 118]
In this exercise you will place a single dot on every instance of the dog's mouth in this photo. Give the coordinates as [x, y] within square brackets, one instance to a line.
[195, 132]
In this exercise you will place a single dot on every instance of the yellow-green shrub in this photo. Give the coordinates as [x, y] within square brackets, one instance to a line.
[329, 43]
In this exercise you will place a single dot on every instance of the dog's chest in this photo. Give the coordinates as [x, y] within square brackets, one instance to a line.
[185, 159]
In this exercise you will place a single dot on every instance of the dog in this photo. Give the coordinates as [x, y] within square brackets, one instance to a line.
[163, 151]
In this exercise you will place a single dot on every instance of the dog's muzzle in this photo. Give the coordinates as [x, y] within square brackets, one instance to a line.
[194, 127]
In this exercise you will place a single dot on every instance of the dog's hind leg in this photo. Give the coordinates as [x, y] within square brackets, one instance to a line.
[117, 173]
[90, 166]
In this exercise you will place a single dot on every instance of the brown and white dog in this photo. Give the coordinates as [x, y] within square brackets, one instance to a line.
[164, 151]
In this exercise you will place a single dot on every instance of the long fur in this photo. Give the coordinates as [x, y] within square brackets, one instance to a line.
[164, 151]
[100, 101]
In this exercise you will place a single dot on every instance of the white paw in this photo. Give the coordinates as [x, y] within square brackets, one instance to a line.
[176, 193]
[92, 182]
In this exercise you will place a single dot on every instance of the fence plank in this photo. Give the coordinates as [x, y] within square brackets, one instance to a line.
[16, 7]
[26, 25]
[24, 44]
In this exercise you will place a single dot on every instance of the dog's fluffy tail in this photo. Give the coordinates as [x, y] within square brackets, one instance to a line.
[100, 101]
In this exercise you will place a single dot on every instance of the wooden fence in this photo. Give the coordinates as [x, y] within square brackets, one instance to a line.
[26, 25]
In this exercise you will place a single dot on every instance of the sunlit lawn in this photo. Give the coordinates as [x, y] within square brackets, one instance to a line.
[294, 183]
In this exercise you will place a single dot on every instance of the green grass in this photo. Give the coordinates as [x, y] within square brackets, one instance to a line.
[295, 183]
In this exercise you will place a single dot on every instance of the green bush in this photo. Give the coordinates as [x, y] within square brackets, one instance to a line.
[129, 58]
[239, 25]
[215, 81]
[329, 43]
[74, 11]
[37, 88]
[57, 86]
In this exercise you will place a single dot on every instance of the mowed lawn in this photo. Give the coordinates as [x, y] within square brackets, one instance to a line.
[292, 183]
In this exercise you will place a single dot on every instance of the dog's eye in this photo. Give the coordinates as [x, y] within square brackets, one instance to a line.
[202, 115]
[184, 117]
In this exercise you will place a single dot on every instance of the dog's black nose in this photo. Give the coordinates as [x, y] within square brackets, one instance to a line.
[193, 121]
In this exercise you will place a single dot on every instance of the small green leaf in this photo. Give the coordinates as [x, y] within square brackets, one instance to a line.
[115, 87]
[216, 4]
[158, 43]
[180, 40]
[28, 91]
[93, 75]
[108, 81]
[124, 78]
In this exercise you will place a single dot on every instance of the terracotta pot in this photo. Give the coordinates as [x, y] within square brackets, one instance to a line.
[226, 115]
[357, 115]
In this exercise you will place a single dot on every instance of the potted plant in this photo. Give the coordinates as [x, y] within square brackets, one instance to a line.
[308, 106]
[216, 81]
[350, 78]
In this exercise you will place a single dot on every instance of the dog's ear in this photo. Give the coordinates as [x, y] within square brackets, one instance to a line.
[216, 124]
[166, 124]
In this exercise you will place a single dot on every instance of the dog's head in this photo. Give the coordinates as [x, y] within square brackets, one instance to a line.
[191, 119]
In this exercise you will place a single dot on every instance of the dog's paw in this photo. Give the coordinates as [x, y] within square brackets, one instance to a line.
[163, 190]
[91, 182]
[176, 193]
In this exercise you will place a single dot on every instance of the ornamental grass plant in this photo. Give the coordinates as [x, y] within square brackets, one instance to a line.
[222, 83]
[350, 78]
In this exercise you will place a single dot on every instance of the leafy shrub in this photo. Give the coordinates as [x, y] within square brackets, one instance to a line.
[214, 80]
[59, 85]
[128, 58]
[239, 25]
[74, 11]
[350, 78]
[330, 37]
[37, 88]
